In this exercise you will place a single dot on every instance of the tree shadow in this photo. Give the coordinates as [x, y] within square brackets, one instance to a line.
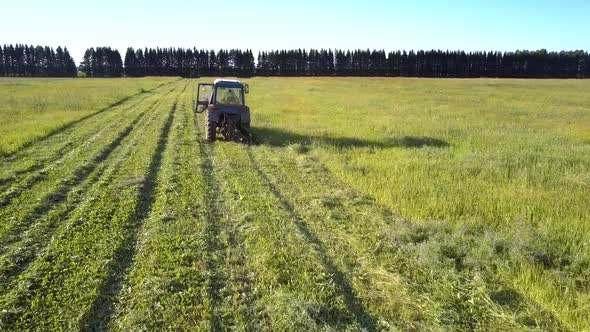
[278, 137]
[352, 302]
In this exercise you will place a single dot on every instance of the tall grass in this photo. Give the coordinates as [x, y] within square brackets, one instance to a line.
[511, 157]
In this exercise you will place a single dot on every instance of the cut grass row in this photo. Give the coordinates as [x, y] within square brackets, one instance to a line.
[70, 284]
[35, 108]
[298, 284]
[167, 283]
[203, 262]
[196, 253]
[32, 162]
[188, 272]
[40, 190]
[31, 225]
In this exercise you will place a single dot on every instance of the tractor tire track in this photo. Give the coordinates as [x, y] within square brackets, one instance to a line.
[235, 299]
[100, 315]
[15, 262]
[7, 181]
[213, 215]
[44, 165]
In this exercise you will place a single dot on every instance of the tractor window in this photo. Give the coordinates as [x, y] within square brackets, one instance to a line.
[204, 92]
[229, 96]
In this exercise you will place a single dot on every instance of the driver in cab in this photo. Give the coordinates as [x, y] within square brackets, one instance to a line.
[231, 98]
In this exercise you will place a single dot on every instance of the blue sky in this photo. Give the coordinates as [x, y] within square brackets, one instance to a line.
[264, 24]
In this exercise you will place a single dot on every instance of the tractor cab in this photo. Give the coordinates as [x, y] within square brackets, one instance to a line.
[227, 113]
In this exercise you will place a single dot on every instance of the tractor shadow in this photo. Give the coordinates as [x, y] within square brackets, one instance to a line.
[278, 138]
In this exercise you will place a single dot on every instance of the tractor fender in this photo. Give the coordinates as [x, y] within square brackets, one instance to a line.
[245, 115]
[213, 114]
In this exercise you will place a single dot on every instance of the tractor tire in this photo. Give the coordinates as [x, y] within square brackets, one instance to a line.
[211, 131]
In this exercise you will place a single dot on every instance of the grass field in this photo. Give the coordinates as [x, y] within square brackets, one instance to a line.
[33, 108]
[375, 204]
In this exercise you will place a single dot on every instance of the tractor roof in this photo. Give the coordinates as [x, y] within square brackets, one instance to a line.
[228, 83]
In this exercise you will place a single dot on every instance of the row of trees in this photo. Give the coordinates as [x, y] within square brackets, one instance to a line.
[25, 60]
[188, 62]
[435, 63]
[36, 61]
[300, 62]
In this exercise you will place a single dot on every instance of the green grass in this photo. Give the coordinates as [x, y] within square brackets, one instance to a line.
[33, 108]
[369, 204]
[509, 156]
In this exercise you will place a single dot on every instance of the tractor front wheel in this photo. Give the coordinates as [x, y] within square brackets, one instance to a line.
[211, 130]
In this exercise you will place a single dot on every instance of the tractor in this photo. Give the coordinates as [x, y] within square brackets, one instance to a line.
[227, 113]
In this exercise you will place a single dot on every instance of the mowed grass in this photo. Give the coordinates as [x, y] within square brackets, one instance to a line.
[368, 204]
[33, 108]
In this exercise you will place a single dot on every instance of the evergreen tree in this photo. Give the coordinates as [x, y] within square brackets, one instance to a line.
[131, 63]
[70, 69]
[117, 68]
[36, 61]
[2, 63]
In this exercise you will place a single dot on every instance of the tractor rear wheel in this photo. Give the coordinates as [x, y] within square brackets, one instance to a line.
[211, 130]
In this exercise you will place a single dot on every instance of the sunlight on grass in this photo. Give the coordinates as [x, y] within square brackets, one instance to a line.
[32, 108]
[490, 152]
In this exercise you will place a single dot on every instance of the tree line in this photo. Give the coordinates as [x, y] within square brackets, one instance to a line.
[327, 62]
[24, 60]
[188, 62]
[36, 61]
[434, 63]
